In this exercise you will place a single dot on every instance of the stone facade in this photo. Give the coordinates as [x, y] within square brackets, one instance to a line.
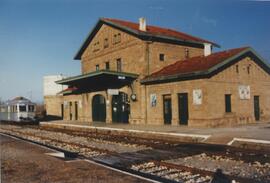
[73, 109]
[141, 57]
[53, 105]
[212, 110]
[52, 101]
[137, 56]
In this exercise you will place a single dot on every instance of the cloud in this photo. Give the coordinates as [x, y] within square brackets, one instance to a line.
[156, 8]
[210, 21]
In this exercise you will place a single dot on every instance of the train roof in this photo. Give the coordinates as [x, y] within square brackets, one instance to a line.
[20, 100]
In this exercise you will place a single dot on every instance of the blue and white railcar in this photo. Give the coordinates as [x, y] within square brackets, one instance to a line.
[19, 109]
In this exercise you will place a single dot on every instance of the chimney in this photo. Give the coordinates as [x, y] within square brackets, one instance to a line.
[207, 49]
[142, 24]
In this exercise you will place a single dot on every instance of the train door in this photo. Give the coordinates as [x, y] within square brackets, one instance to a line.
[120, 108]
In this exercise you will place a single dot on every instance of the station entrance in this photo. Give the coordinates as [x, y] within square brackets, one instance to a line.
[120, 108]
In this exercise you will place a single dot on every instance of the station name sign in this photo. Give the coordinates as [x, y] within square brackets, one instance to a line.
[113, 91]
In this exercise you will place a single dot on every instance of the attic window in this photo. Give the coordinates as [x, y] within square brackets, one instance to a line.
[116, 38]
[237, 69]
[161, 57]
[186, 53]
[96, 46]
[248, 69]
[106, 43]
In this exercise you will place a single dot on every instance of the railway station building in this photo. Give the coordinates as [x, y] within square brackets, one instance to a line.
[141, 74]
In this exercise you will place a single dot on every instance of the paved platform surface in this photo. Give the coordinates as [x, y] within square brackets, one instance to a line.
[22, 162]
[222, 135]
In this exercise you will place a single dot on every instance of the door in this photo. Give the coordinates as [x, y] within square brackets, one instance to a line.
[98, 108]
[62, 111]
[120, 108]
[183, 108]
[257, 108]
[76, 110]
[70, 110]
[167, 109]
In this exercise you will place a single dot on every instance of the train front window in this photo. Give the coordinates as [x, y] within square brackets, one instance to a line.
[31, 108]
[22, 108]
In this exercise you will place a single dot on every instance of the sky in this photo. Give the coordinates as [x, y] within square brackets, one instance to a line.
[41, 37]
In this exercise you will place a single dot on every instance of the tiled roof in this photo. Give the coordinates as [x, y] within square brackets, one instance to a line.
[154, 30]
[153, 33]
[68, 90]
[196, 64]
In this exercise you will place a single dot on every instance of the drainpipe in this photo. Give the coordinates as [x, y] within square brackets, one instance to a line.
[147, 57]
[147, 52]
[145, 95]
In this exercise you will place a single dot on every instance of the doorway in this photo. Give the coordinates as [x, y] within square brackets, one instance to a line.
[76, 110]
[257, 108]
[98, 108]
[120, 108]
[167, 109]
[62, 111]
[183, 108]
[70, 110]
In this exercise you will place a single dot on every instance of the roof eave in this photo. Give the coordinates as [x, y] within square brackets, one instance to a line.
[86, 41]
[143, 35]
[206, 73]
[140, 34]
[228, 60]
[175, 77]
[91, 74]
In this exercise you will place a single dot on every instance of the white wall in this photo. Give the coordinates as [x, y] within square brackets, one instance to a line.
[50, 87]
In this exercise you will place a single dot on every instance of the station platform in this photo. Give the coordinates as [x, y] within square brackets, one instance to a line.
[252, 135]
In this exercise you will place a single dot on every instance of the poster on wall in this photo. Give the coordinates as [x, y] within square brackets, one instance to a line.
[153, 100]
[244, 92]
[197, 97]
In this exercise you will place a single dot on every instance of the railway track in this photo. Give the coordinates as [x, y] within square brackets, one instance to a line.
[152, 166]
